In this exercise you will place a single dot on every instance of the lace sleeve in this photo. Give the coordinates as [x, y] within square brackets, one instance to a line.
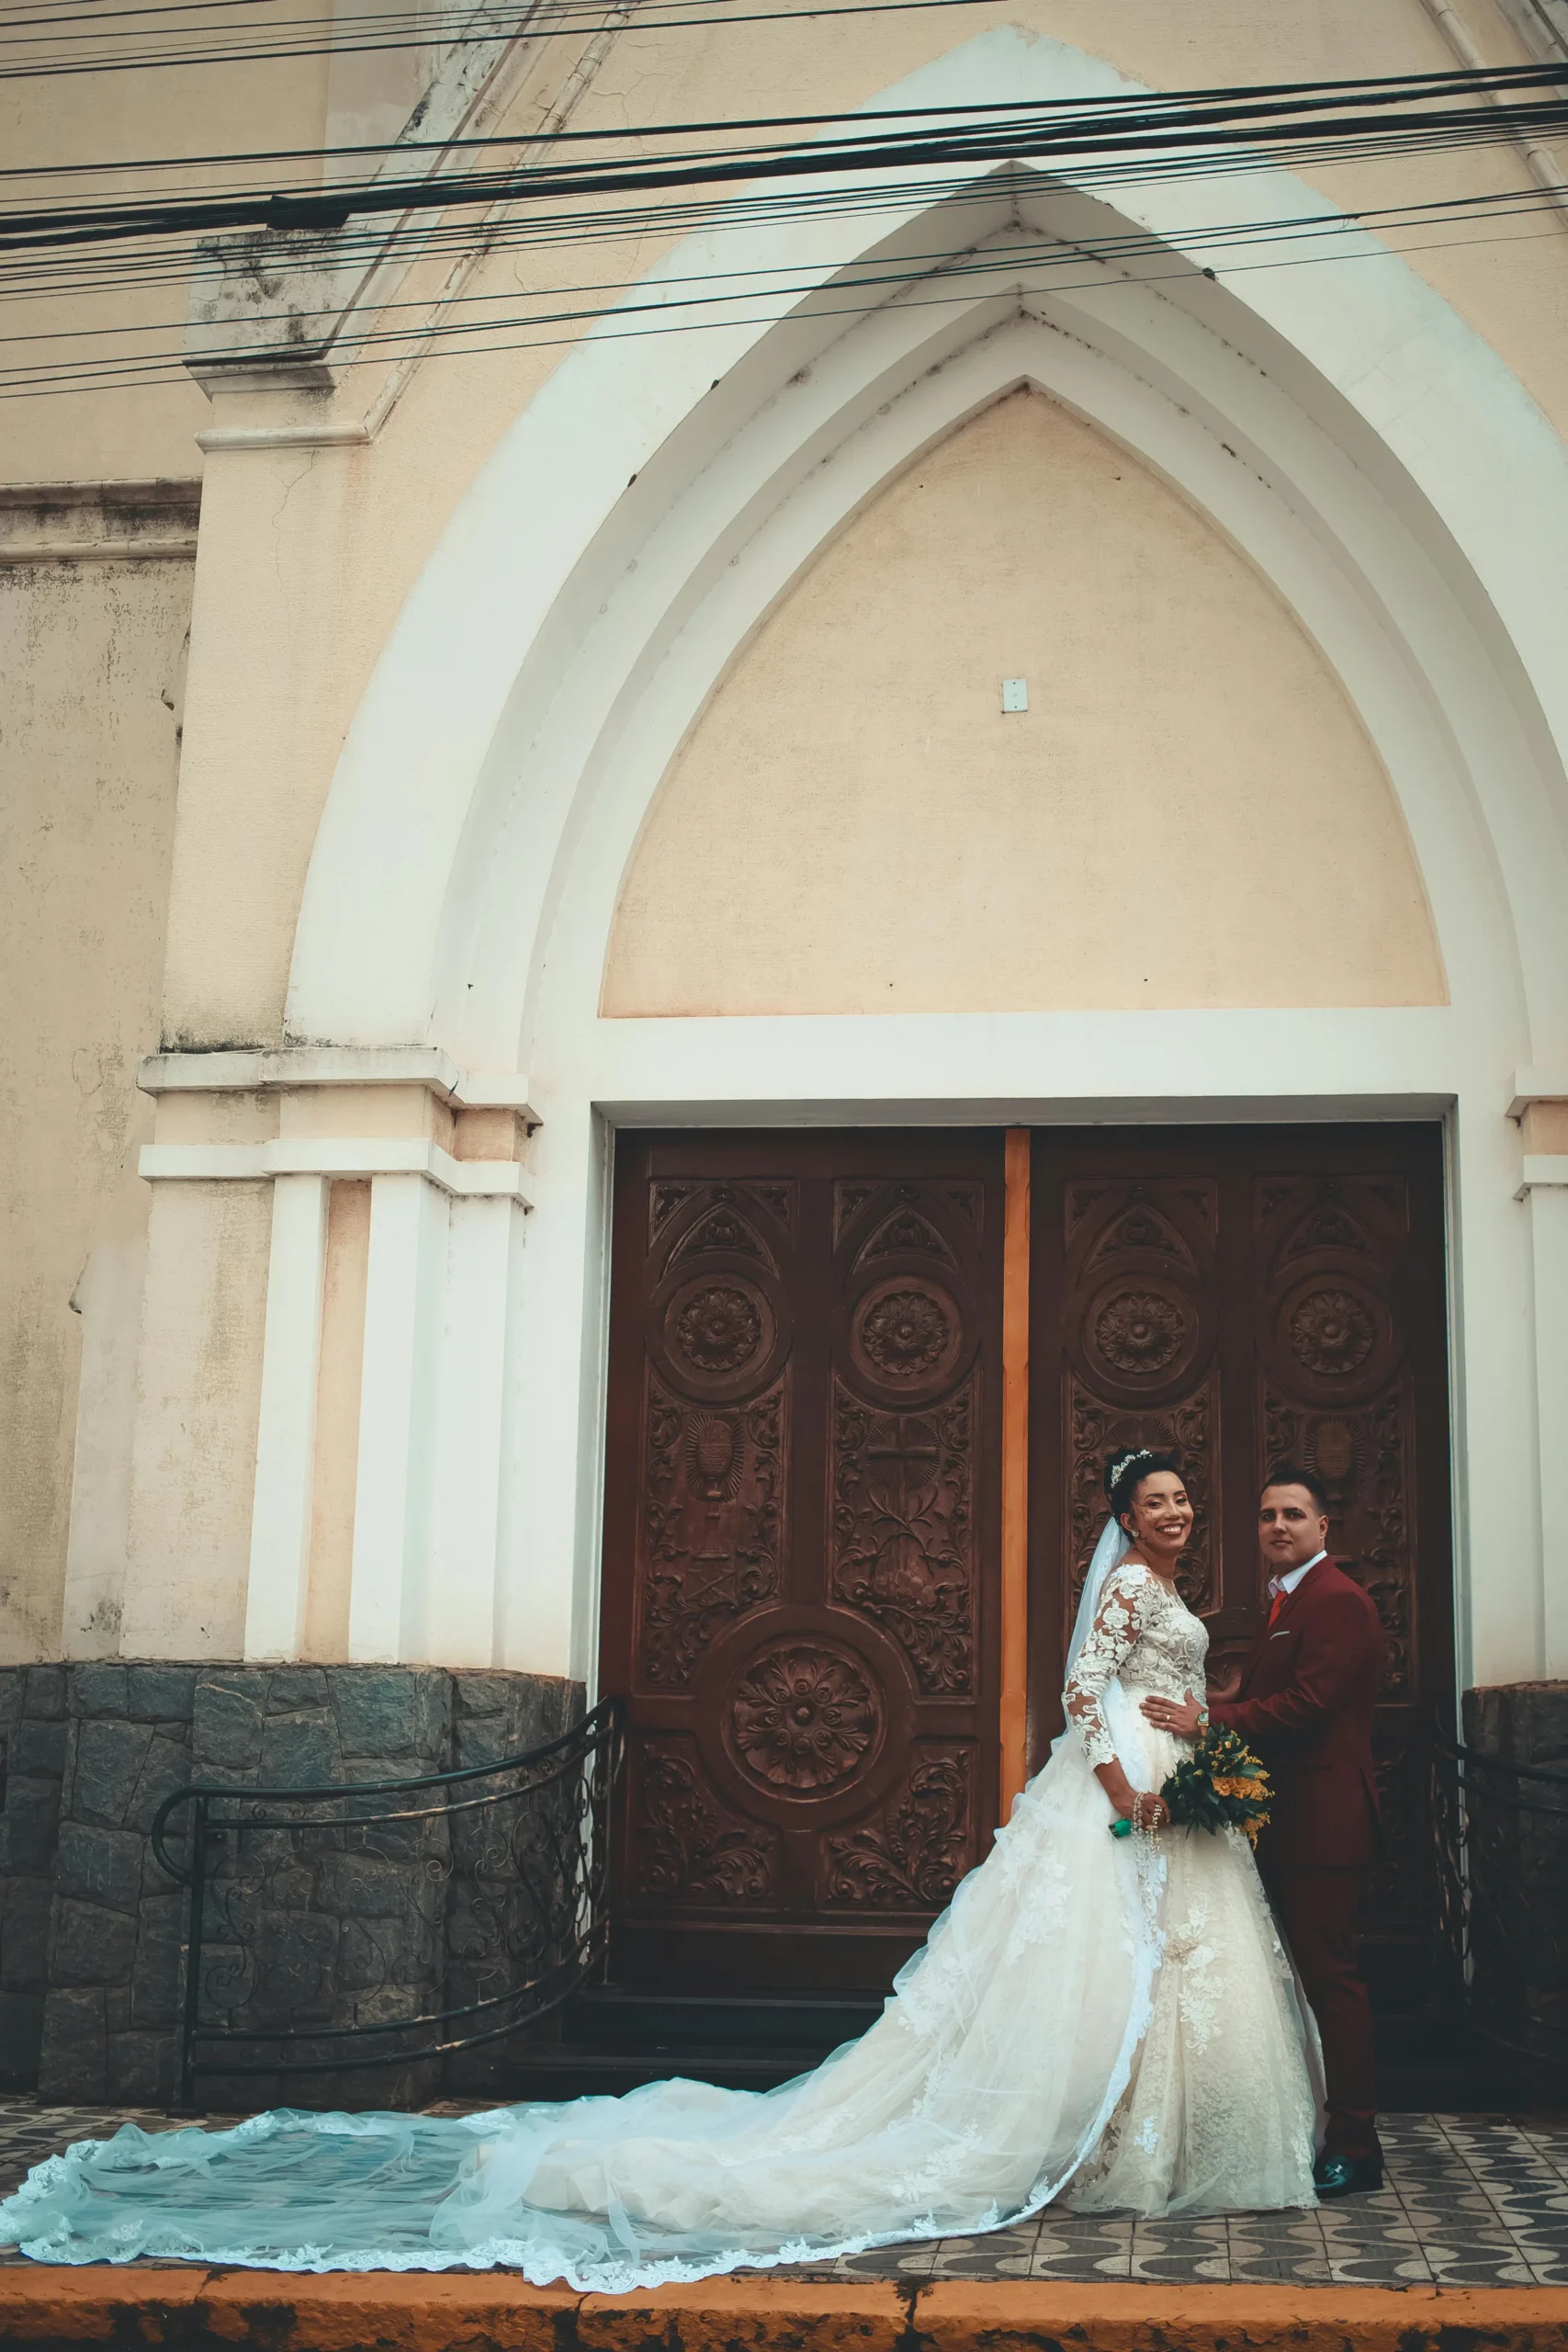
[1118, 1626]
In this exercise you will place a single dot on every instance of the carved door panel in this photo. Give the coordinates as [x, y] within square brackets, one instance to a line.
[801, 1545]
[1244, 1296]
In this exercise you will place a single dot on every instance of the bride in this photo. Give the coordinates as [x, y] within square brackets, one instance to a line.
[1102, 2021]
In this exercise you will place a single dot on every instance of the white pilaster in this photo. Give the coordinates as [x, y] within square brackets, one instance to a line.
[286, 1434]
[397, 1416]
[486, 1236]
[1548, 1241]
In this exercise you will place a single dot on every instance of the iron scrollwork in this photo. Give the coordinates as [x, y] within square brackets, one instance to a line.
[391, 1922]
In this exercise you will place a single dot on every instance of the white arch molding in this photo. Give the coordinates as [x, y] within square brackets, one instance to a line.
[1366, 450]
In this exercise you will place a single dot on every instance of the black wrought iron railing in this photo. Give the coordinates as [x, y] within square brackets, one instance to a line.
[393, 1923]
[1502, 1835]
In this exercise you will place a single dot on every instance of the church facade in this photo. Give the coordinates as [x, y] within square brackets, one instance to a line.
[667, 963]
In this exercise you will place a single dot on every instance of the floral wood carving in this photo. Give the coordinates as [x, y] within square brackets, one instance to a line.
[919, 1848]
[1141, 1332]
[906, 1234]
[686, 1847]
[905, 1334]
[718, 1329]
[1329, 1226]
[712, 1523]
[904, 1547]
[1332, 1332]
[778, 1200]
[969, 1200]
[804, 1718]
[663, 1200]
[848, 1198]
[723, 1228]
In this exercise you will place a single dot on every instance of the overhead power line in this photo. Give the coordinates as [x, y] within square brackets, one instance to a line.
[485, 342]
[1304, 122]
[73, 52]
[1294, 97]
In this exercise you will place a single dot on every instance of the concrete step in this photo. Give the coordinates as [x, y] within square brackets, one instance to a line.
[192, 2309]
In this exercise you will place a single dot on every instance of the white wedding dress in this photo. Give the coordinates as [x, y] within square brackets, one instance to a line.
[1107, 2022]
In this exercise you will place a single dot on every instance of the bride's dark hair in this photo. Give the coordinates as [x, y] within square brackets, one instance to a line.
[1125, 1473]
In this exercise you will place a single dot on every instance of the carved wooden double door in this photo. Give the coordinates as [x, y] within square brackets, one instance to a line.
[805, 1592]
[800, 1600]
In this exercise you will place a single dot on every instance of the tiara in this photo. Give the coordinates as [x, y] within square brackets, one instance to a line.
[1119, 1468]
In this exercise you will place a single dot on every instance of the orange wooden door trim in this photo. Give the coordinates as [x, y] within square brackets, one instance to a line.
[1014, 1709]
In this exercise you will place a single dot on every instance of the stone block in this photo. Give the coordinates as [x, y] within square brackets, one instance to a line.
[37, 1747]
[109, 1760]
[292, 1689]
[29, 1824]
[166, 1767]
[72, 2055]
[21, 2031]
[99, 1865]
[117, 2008]
[395, 1712]
[45, 1698]
[362, 1886]
[90, 1945]
[139, 2068]
[155, 1977]
[294, 1958]
[98, 1688]
[24, 1935]
[156, 1694]
[477, 1692]
[226, 1726]
[389, 2005]
[1523, 1723]
[13, 1690]
[300, 1752]
[362, 1964]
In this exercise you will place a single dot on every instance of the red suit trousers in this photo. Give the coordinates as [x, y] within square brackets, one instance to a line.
[1319, 1910]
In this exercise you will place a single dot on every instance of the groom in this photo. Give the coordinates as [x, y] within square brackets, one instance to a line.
[1304, 1701]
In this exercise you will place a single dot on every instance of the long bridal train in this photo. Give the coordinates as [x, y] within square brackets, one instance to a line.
[1108, 2022]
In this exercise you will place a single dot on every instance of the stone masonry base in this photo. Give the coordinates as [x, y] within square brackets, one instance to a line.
[90, 1927]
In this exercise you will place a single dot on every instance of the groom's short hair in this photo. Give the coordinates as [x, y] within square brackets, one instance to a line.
[1289, 1474]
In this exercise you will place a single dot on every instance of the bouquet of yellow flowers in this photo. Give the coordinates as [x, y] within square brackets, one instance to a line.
[1220, 1785]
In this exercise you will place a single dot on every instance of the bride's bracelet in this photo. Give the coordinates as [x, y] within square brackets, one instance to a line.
[1141, 1825]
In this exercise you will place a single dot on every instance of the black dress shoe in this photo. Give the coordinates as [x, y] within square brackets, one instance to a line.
[1346, 2176]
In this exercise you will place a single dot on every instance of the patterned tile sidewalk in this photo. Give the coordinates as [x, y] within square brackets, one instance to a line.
[1467, 2201]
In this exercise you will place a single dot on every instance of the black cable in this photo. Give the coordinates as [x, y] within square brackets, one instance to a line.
[594, 15]
[1383, 220]
[1204, 127]
[109, 379]
[1458, 81]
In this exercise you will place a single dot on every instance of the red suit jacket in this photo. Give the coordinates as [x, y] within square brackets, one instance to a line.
[1305, 1708]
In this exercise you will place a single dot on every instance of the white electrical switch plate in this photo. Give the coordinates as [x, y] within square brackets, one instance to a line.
[1015, 694]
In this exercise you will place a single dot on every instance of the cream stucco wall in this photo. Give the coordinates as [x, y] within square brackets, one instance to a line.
[855, 825]
[314, 551]
[91, 671]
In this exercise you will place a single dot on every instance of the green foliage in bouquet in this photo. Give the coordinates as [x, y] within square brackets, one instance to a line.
[1220, 1785]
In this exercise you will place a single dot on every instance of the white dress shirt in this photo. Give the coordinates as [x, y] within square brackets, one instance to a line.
[1292, 1576]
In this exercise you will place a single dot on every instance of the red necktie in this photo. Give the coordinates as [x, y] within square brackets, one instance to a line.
[1278, 1603]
